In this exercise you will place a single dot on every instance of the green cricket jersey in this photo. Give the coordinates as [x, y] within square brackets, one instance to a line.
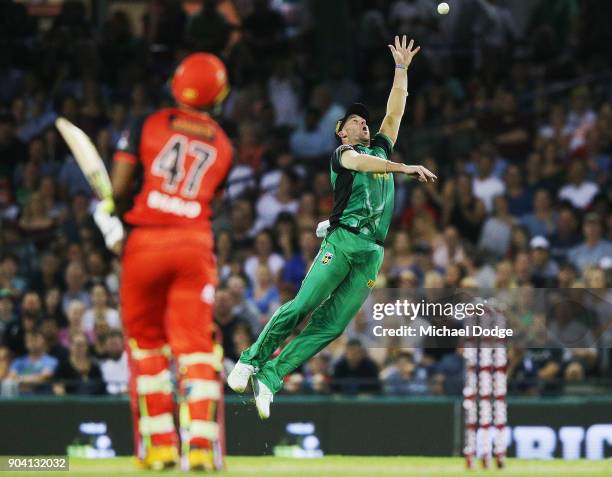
[363, 201]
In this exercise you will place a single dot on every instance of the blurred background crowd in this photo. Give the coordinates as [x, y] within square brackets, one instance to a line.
[510, 105]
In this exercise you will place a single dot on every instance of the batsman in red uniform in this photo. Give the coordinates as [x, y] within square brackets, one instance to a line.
[178, 157]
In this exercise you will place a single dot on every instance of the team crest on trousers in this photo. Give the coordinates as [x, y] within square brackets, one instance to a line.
[370, 283]
[327, 258]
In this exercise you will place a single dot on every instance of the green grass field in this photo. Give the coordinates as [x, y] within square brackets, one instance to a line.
[345, 466]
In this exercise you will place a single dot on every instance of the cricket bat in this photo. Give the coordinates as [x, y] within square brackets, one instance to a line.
[88, 159]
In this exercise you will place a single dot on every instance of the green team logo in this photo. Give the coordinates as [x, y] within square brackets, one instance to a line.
[327, 258]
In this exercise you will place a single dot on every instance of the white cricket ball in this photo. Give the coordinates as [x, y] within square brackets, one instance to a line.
[443, 8]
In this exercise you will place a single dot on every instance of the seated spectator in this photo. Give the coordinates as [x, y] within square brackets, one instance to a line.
[317, 377]
[9, 277]
[48, 276]
[566, 235]
[50, 330]
[594, 248]
[580, 191]
[53, 306]
[264, 293]
[76, 310]
[100, 310]
[355, 373]
[7, 311]
[115, 368]
[242, 305]
[462, 209]
[295, 268]
[32, 373]
[36, 221]
[78, 375]
[242, 337]
[100, 330]
[543, 220]
[75, 286]
[497, 230]
[544, 270]
[448, 248]
[485, 184]
[404, 377]
[263, 254]
[271, 204]
[308, 140]
[30, 315]
[227, 322]
[519, 198]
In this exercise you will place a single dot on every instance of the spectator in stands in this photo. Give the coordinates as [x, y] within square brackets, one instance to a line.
[271, 204]
[404, 377]
[242, 303]
[5, 363]
[32, 373]
[543, 220]
[263, 254]
[317, 377]
[76, 310]
[264, 293]
[485, 184]
[114, 367]
[579, 191]
[9, 278]
[100, 310]
[227, 322]
[497, 230]
[75, 286]
[30, 315]
[544, 270]
[78, 375]
[594, 248]
[566, 235]
[7, 311]
[462, 208]
[355, 373]
[50, 330]
[49, 275]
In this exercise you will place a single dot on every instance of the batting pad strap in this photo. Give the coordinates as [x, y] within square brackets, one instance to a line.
[200, 358]
[157, 383]
[205, 429]
[138, 353]
[162, 424]
[198, 389]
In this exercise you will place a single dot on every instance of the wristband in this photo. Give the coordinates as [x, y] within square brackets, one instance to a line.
[401, 67]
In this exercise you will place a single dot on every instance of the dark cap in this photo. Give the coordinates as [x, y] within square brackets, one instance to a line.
[355, 108]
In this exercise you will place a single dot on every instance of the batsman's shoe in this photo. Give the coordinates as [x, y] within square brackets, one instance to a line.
[239, 377]
[201, 459]
[160, 458]
[263, 398]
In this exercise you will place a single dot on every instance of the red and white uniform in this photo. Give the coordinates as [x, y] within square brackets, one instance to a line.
[169, 275]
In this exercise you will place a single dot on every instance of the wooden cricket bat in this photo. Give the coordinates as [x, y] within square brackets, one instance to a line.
[87, 157]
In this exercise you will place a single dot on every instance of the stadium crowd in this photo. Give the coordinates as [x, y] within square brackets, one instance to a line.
[513, 112]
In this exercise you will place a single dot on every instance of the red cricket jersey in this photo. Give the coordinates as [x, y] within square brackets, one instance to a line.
[184, 157]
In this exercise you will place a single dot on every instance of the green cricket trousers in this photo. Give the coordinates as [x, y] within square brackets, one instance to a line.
[335, 287]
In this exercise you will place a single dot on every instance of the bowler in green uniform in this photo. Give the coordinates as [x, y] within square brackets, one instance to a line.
[345, 269]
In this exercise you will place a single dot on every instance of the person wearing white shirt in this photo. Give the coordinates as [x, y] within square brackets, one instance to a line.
[485, 185]
[115, 370]
[263, 254]
[579, 192]
[100, 309]
[273, 203]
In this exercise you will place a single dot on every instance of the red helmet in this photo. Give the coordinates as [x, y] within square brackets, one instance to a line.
[200, 81]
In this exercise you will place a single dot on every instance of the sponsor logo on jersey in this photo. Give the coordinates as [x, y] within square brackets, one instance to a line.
[192, 127]
[173, 205]
[371, 283]
[327, 258]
